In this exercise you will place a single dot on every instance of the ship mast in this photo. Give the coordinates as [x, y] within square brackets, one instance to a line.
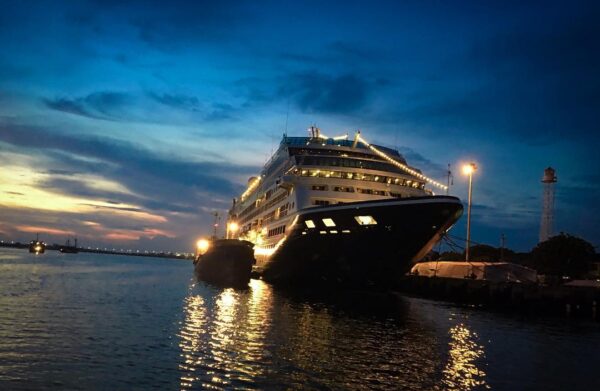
[216, 224]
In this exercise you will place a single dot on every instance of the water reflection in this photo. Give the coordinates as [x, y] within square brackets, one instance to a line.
[256, 339]
[462, 372]
[223, 339]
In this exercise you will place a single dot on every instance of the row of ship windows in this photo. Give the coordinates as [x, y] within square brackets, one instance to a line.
[347, 162]
[358, 176]
[246, 214]
[345, 189]
[329, 223]
[273, 215]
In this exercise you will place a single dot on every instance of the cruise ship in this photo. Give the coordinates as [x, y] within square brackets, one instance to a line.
[340, 210]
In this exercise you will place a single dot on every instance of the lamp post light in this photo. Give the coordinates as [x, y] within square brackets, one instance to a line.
[469, 169]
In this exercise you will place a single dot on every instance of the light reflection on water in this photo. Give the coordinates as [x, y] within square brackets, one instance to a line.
[255, 339]
[462, 371]
[223, 340]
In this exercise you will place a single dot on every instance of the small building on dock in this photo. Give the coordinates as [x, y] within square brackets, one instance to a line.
[489, 271]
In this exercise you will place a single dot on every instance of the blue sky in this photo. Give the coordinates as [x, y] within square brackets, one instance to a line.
[128, 123]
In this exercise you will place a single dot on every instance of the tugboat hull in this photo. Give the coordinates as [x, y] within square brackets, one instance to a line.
[228, 262]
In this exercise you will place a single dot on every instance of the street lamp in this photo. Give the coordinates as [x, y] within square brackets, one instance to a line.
[469, 169]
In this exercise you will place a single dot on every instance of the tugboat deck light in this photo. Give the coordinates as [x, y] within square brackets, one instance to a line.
[203, 245]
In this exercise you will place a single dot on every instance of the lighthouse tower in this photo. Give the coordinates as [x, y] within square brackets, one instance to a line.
[548, 182]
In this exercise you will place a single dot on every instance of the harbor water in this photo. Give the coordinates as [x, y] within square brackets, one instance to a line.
[89, 321]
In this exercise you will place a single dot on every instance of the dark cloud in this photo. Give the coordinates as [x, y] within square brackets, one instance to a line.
[317, 92]
[172, 27]
[61, 172]
[427, 166]
[178, 101]
[337, 53]
[540, 85]
[98, 105]
[221, 111]
[143, 107]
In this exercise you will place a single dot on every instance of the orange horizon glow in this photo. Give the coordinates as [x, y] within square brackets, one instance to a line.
[21, 189]
[45, 230]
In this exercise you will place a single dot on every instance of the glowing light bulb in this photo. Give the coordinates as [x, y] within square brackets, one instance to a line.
[203, 245]
[469, 169]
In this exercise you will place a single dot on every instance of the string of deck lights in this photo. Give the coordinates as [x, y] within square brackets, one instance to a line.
[400, 165]
[250, 188]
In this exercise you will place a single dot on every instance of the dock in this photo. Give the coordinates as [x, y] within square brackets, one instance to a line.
[567, 300]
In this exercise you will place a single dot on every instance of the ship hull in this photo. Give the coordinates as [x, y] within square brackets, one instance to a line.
[362, 255]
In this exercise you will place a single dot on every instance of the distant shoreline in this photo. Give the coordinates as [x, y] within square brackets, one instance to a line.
[55, 247]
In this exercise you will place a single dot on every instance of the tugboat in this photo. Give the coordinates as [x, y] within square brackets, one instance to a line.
[67, 248]
[224, 262]
[36, 246]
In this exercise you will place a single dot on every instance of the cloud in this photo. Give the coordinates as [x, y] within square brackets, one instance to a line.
[44, 230]
[148, 107]
[336, 54]
[178, 101]
[539, 86]
[427, 166]
[98, 105]
[321, 93]
[165, 180]
[176, 26]
[221, 111]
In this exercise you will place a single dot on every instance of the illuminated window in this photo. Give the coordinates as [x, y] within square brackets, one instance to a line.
[328, 222]
[333, 231]
[365, 220]
[310, 224]
[322, 232]
[346, 231]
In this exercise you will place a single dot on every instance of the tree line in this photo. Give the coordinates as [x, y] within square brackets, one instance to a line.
[562, 255]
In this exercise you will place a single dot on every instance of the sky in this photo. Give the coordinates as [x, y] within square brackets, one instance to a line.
[128, 123]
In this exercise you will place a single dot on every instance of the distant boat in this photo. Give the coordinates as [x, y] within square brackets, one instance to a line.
[67, 248]
[36, 246]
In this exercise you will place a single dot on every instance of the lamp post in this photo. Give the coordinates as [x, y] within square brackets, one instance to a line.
[469, 169]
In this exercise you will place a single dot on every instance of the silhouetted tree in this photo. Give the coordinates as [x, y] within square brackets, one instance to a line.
[452, 256]
[431, 256]
[483, 252]
[563, 255]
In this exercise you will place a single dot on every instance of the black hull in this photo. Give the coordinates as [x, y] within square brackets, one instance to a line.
[228, 263]
[368, 255]
[68, 250]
